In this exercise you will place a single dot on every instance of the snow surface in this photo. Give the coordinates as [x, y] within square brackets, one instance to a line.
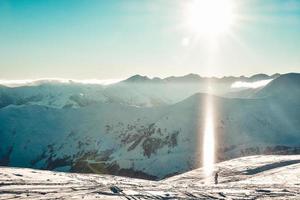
[254, 177]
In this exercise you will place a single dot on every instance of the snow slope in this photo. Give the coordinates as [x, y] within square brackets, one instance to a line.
[254, 177]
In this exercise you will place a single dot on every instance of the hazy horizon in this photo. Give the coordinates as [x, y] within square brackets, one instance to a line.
[143, 75]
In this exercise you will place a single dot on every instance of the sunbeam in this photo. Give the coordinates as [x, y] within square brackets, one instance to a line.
[209, 138]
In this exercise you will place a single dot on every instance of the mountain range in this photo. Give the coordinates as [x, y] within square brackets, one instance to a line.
[146, 128]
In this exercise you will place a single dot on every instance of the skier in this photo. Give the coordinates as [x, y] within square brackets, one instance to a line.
[216, 177]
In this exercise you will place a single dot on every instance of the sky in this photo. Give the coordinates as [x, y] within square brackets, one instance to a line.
[99, 39]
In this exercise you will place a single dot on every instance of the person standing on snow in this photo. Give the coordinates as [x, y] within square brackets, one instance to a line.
[216, 177]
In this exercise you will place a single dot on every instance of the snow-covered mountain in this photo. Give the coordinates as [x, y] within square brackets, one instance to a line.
[103, 136]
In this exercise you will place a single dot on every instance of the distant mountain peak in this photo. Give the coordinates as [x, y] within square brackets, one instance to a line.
[188, 77]
[275, 75]
[138, 78]
[191, 75]
[258, 77]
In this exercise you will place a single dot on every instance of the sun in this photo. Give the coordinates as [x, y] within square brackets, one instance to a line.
[210, 17]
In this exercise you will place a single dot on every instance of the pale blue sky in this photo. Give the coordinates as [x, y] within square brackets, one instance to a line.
[116, 38]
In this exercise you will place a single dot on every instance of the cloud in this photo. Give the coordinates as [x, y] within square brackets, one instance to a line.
[25, 82]
[255, 84]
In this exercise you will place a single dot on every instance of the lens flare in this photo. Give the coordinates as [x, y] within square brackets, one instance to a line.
[209, 139]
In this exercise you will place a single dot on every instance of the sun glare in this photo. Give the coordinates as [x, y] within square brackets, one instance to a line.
[208, 139]
[210, 17]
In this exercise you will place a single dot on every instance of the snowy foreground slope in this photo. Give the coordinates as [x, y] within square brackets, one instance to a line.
[254, 177]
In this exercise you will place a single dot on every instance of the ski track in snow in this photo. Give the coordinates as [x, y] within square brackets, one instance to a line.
[253, 177]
